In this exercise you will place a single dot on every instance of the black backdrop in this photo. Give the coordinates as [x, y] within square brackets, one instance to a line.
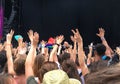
[54, 17]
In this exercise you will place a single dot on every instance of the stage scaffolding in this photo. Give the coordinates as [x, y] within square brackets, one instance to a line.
[9, 17]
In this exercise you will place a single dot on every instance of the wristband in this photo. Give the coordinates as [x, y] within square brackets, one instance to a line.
[57, 44]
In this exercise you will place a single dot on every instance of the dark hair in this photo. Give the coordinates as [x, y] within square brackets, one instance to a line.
[63, 57]
[5, 69]
[6, 79]
[108, 75]
[47, 66]
[39, 61]
[70, 68]
[115, 59]
[96, 66]
[19, 64]
[100, 49]
[3, 60]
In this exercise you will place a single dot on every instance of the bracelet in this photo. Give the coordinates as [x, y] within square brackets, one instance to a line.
[57, 44]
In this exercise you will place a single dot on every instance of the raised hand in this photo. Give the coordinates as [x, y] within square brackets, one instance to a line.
[43, 43]
[81, 53]
[117, 50]
[30, 35]
[9, 52]
[35, 39]
[101, 33]
[90, 46]
[77, 35]
[53, 56]
[73, 38]
[9, 36]
[59, 39]
[66, 44]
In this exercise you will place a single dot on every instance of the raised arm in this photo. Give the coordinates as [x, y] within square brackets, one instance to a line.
[74, 51]
[53, 53]
[43, 47]
[81, 54]
[59, 50]
[101, 34]
[34, 38]
[9, 52]
[44, 50]
[89, 59]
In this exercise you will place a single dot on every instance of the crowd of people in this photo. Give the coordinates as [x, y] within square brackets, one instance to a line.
[57, 62]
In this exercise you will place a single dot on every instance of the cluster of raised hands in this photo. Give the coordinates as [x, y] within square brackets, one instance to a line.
[76, 38]
[77, 48]
[34, 36]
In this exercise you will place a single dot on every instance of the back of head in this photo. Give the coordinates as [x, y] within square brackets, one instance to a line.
[39, 61]
[64, 56]
[3, 59]
[47, 66]
[70, 68]
[109, 75]
[96, 66]
[7, 79]
[100, 49]
[19, 65]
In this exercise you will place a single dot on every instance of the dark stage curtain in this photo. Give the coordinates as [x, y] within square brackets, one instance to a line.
[1, 17]
[54, 17]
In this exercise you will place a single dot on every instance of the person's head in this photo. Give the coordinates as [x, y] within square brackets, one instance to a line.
[47, 66]
[109, 75]
[3, 60]
[100, 50]
[14, 51]
[7, 79]
[96, 66]
[58, 77]
[70, 68]
[63, 57]
[19, 64]
[39, 61]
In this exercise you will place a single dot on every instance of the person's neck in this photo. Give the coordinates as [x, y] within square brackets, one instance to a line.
[97, 58]
[20, 75]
